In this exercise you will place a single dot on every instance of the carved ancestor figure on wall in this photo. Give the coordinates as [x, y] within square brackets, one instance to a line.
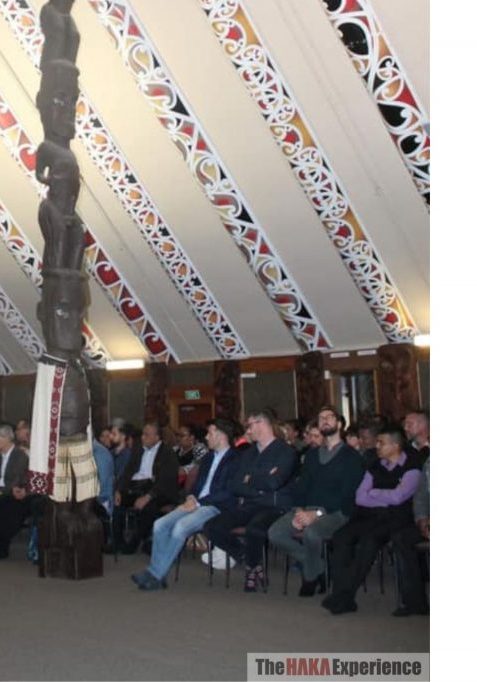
[61, 460]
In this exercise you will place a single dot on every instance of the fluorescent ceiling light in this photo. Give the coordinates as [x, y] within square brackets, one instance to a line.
[422, 340]
[112, 365]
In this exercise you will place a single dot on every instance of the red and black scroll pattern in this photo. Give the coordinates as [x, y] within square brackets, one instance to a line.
[310, 166]
[156, 84]
[379, 67]
[134, 198]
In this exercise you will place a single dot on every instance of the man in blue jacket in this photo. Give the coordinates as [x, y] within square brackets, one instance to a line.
[208, 498]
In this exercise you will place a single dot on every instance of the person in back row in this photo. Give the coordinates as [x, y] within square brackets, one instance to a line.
[383, 506]
[209, 496]
[324, 495]
[148, 485]
[263, 495]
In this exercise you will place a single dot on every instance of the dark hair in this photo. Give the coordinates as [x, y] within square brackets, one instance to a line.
[352, 430]
[330, 408]
[396, 434]
[268, 413]
[156, 425]
[421, 413]
[226, 426]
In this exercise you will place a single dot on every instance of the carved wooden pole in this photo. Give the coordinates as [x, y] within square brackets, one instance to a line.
[61, 459]
[310, 384]
[398, 380]
[227, 389]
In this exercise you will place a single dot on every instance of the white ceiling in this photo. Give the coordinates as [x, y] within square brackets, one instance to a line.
[340, 118]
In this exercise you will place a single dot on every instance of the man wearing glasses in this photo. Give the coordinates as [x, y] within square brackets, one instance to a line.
[263, 491]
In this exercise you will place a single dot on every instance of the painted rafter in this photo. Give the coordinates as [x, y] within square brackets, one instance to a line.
[377, 63]
[142, 59]
[134, 198]
[19, 328]
[27, 258]
[97, 262]
[313, 171]
[5, 368]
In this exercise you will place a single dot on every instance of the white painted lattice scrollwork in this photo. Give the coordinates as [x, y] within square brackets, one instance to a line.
[312, 169]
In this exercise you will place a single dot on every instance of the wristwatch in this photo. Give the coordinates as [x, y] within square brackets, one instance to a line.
[319, 513]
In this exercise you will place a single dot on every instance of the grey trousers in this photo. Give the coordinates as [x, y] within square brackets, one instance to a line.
[307, 550]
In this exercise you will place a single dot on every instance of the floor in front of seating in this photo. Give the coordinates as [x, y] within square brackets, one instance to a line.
[106, 629]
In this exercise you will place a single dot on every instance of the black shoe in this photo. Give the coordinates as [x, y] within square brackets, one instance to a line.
[308, 588]
[329, 601]
[344, 607]
[146, 547]
[130, 547]
[411, 611]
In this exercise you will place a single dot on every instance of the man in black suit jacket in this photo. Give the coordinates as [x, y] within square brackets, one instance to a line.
[149, 485]
[13, 474]
[209, 496]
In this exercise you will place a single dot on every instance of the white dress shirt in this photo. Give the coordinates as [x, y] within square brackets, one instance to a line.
[218, 457]
[5, 458]
[147, 461]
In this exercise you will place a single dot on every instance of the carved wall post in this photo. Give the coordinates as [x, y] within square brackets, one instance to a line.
[227, 389]
[156, 398]
[398, 382]
[310, 384]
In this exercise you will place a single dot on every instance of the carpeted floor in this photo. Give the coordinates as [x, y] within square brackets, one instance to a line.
[106, 629]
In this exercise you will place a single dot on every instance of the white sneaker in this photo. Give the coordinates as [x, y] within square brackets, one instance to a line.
[218, 559]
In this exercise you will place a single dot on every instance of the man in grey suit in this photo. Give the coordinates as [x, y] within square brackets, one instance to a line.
[13, 475]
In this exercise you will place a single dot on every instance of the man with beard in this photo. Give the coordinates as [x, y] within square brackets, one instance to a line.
[324, 498]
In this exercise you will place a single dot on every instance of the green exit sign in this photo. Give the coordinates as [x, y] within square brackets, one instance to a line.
[193, 394]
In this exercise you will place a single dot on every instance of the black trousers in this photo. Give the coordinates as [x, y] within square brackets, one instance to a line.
[256, 521]
[143, 519]
[355, 547]
[413, 591]
[13, 513]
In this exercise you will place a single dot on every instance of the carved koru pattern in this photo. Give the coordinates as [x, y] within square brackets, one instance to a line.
[227, 389]
[134, 197]
[405, 119]
[398, 380]
[310, 166]
[143, 61]
[310, 384]
[97, 262]
[19, 327]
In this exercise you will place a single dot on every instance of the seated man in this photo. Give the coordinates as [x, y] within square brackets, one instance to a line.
[260, 483]
[416, 427]
[384, 505]
[148, 484]
[209, 496]
[120, 450]
[414, 600]
[13, 475]
[324, 494]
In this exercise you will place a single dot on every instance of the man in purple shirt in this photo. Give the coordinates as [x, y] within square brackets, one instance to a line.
[383, 506]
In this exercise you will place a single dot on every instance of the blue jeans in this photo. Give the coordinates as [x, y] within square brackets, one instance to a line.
[171, 531]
